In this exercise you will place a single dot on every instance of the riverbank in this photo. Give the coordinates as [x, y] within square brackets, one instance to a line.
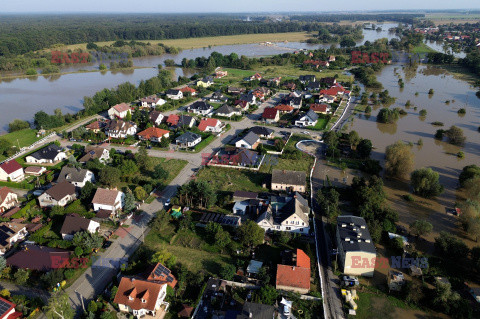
[195, 43]
[24, 76]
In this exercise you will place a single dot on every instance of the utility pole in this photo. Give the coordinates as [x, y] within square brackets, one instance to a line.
[81, 299]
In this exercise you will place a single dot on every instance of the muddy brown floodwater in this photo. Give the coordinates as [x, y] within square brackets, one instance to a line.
[438, 155]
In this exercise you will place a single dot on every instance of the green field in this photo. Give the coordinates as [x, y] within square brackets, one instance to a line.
[21, 138]
[422, 48]
[228, 179]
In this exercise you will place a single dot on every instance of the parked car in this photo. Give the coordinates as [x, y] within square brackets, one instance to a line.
[167, 202]
[107, 244]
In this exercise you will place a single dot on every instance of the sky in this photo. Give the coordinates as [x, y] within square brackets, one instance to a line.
[183, 6]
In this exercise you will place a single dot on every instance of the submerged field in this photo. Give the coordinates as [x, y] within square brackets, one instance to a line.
[193, 43]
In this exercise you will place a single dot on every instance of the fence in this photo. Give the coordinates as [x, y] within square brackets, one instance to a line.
[25, 149]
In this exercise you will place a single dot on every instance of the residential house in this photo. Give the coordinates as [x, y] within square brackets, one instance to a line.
[153, 134]
[48, 154]
[256, 76]
[249, 141]
[96, 126]
[162, 275]
[285, 214]
[172, 119]
[326, 99]
[355, 246]
[290, 86]
[74, 223]
[174, 94]
[8, 199]
[205, 82]
[186, 90]
[200, 108]
[119, 111]
[10, 233]
[220, 74]
[227, 111]
[235, 90]
[284, 108]
[238, 157]
[290, 181]
[304, 79]
[210, 125]
[141, 297]
[39, 258]
[308, 119]
[331, 58]
[242, 105]
[58, 195]
[333, 91]
[77, 176]
[328, 81]
[7, 310]
[295, 276]
[257, 311]
[188, 139]
[217, 97]
[320, 108]
[121, 129]
[314, 86]
[295, 101]
[249, 98]
[95, 152]
[395, 280]
[262, 131]
[271, 115]
[261, 92]
[274, 81]
[11, 171]
[151, 101]
[108, 202]
[156, 118]
[35, 170]
[186, 121]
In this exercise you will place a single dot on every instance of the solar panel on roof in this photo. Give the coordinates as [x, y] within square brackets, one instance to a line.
[92, 152]
[169, 279]
[4, 306]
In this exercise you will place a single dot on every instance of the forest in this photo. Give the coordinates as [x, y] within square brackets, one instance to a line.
[21, 34]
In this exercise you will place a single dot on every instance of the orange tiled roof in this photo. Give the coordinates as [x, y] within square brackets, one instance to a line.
[302, 259]
[137, 290]
[284, 108]
[204, 123]
[153, 132]
[292, 276]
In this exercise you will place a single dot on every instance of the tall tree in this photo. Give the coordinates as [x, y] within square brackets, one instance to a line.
[58, 307]
[399, 159]
[425, 182]
[251, 234]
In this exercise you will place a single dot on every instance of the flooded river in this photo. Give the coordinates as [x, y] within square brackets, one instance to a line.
[23, 97]
[438, 155]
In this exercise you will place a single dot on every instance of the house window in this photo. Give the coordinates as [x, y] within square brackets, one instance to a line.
[303, 224]
[288, 228]
[297, 223]
[278, 227]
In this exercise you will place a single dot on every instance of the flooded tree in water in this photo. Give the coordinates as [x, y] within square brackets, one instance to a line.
[400, 160]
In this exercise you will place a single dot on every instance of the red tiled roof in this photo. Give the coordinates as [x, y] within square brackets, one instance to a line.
[4, 191]
[292, 276]
[153, 132]
[332, 91]
[302, 259]
[284, 108]
[173, 119]
[37, 257]
[138, 290]
[122, 107]
[204, 123]
[10, 166]
[188, 89]
[269, 113]
[241, 103]
[319, 107]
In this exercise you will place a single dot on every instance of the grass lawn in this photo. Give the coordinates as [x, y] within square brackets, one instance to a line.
[200, 146]
[191, 43]
[20, 138]
[172, 166]
[291, 71]
[375, 304]
[321, 124]
[422, 48]
[229, 179]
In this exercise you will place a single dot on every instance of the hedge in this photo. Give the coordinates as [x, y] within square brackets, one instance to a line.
[23, 185]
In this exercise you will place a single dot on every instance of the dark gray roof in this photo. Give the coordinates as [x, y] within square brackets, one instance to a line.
[257, 311]
[312, 115]
[61, 190]
[187, 137]
[73, 224]
[261, 130]
[49, 152]
[307, 78]
[184, 120]
[288, 177]
[153, 116]
[244, 194]
[247, 97]
[356, 230]
[246, 157]
[72, 174]
[200, 105]
[314, 85]
[251, 138]
[226, 109]
[172, 92]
